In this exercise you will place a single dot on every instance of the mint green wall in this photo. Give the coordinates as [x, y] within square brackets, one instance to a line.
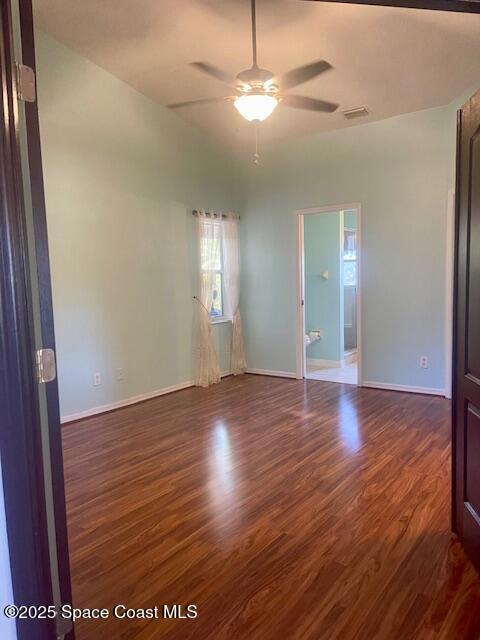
[350, 219]
[399, 169]
[121, 173]
[323, 308]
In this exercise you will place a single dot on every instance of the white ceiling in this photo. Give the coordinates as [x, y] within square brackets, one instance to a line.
[392, 60]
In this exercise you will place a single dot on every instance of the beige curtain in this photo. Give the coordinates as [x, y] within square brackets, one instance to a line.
[209, 234]
[231, 270]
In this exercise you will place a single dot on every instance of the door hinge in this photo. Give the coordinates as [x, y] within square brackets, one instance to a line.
[302, 303]
[26, 90]
[45, 365]
[63, 626]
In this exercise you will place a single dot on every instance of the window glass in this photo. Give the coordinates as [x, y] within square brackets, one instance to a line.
[350, 273]
[211, 260]
[349, 257]
[211, 256]
[217, 304]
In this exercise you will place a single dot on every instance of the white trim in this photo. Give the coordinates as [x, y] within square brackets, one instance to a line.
[331, 208]
[341, 297]
[300, 301]
[269, 372]
[431, 391]
[449, 268]
[300, 289]
[129, 401]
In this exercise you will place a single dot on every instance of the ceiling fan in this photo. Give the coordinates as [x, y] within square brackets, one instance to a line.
[258, 91]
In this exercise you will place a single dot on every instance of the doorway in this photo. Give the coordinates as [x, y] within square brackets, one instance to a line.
[328, 327]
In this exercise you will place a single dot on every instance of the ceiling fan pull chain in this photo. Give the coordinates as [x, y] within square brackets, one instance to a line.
[256, 155]
[258, 92]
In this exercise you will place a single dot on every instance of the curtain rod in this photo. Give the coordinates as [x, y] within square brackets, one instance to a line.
[213, 214]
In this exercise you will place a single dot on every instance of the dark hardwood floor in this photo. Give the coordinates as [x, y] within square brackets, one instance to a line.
[282, 509]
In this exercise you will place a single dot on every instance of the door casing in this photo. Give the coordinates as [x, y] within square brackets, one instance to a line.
[300, 280]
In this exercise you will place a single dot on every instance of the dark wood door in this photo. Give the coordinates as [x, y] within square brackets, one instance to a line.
[42, 275]
[22, 472]
[466, 399]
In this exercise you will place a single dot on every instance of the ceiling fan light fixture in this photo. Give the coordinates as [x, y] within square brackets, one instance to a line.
[256, 106]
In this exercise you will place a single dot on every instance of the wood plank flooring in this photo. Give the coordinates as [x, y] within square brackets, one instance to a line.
[282, 509]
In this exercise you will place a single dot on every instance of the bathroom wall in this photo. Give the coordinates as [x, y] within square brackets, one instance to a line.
[350, 292]
[350, 219]
[323, 300]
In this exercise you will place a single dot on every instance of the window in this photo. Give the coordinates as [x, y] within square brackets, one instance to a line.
[349, 257]
[212, 265]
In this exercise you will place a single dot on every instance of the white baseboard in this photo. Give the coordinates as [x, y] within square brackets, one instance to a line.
[431, 391]
[132, 400]
[261, 372]
[350, 358]
[269, 372]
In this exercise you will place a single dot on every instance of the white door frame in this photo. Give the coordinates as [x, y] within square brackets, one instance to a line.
[300, 279]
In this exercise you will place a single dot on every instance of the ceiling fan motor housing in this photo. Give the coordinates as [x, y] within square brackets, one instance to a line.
[255, 76]
[258, 91]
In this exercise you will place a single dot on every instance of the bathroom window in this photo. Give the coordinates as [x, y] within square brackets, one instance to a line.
[350, 258]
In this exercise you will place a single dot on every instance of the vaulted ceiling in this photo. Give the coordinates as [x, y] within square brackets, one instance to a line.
[391, 60]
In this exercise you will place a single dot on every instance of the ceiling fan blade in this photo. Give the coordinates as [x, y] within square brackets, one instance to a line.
[311, 104]
[299, 75]
[189, 103]
[214, 72]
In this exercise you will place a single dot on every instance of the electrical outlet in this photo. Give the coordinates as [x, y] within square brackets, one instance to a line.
[97, 379]
[423, 362]
[120, 374]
